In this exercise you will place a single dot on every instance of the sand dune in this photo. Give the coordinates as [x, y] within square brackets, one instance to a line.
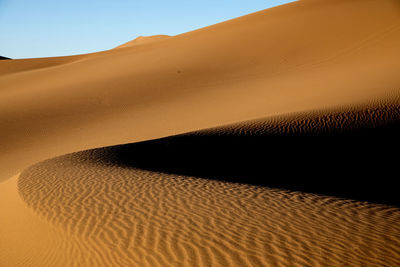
[311, 86]
[306, 55]
[127, 216]
[325, 152]
[26, 65]
[144, 40]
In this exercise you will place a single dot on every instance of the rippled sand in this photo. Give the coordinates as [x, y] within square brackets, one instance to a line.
[127, 216]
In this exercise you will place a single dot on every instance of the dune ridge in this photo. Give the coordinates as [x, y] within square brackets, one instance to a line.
[144, 40]
[327, 152]
[115, 213]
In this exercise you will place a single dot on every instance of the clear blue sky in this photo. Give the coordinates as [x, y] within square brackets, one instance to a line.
[41, 28]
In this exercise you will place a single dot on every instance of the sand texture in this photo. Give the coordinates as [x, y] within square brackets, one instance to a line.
[127, 216]
[266, 140]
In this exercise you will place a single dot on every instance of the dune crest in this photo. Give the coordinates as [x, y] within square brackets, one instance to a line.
[144, 40]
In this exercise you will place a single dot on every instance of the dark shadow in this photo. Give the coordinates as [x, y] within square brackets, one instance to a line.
[360, 164]
[1, 58]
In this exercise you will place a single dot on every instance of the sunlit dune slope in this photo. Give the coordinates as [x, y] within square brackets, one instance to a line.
[32, 64]
[306, 55]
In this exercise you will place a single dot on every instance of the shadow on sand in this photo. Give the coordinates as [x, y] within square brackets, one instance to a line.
[360, 164]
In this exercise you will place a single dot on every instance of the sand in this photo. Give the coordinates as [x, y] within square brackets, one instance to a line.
[128, 216]
[144, 40]
[313, 67]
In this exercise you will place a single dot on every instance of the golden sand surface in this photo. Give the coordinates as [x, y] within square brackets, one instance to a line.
[127, 217]
[307, 67]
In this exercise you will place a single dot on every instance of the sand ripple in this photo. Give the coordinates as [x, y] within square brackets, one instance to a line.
[120, 216]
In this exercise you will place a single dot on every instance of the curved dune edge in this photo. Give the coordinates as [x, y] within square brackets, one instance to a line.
[118, 216]
[108, 213]
[278, 61]
[96, 212]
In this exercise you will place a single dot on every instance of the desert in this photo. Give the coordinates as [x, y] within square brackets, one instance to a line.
[270, 139]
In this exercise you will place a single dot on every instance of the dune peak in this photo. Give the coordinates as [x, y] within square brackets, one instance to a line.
[144, 40]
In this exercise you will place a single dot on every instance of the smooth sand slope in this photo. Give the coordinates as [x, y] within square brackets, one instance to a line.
[315, 67]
